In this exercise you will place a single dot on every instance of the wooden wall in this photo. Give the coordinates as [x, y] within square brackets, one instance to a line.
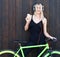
[12, 14]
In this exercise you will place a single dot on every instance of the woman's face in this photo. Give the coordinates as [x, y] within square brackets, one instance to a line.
[38, 8]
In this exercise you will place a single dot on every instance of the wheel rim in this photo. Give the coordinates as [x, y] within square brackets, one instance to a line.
[53, 53]
[9, 52]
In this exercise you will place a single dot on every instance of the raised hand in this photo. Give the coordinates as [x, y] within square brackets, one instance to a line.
[28, 18]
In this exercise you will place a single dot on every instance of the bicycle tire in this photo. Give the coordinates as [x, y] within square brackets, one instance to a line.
[8, 53]
[53, 54]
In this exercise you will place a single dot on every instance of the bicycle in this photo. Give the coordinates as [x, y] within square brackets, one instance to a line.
[46, 47]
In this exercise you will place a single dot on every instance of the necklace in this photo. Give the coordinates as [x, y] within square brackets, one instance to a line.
[36, 20]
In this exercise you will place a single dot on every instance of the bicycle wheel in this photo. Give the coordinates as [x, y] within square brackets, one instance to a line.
[53, 54]
[8, 53]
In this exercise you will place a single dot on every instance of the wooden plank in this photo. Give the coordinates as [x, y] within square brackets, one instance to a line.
[1, 24]
[5, 23]
[18, 19]
[12, 22]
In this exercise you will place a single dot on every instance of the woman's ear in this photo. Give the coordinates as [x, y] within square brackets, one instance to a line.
[34, 8]
[42, 8]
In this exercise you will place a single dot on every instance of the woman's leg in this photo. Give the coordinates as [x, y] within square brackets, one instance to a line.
[28, 50]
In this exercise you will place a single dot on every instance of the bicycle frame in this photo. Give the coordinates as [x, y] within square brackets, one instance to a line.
[34, 46]
[46, 47]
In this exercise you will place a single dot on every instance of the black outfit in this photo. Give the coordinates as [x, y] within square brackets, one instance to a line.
[36, 34]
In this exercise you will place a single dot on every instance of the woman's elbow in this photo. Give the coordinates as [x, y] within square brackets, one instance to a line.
[26, 26]
[45, 33]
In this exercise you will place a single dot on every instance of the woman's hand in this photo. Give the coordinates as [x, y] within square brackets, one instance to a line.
[28, 18]
[54, 39]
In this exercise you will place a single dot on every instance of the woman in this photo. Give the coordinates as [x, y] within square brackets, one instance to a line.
[37, 26]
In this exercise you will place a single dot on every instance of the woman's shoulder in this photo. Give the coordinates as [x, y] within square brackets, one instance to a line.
[44, 20]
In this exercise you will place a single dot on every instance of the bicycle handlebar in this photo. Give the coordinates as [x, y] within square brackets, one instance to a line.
[53, 40]
[18, 41]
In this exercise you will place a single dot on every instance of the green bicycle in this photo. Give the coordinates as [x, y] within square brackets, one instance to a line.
[46, 47]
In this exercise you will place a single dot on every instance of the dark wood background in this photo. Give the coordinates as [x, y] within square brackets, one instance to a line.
[12, 14]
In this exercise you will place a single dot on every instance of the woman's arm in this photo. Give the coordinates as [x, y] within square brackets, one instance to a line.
[26, 26]
[28, 19]
[45, 29]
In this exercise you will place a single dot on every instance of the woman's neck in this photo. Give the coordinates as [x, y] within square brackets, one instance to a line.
[37, 14]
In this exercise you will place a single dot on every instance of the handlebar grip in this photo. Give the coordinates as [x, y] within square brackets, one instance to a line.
[53, 40]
